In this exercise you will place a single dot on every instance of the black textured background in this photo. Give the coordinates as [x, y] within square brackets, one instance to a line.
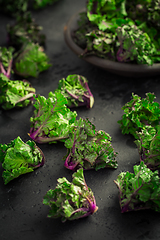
[22, 214]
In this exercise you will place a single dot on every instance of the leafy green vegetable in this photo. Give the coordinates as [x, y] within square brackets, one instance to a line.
[149, 146]
[17, 7]
[88, 148]
[120, 30]
[6, 59]
[138, 9]
[76, 90]
[52, 118]
[102, 12]
[13, 8]
[154, 12]
[31, 60]
[15, 93]
[100, 43]
[37, 4]
[138, 113]
[144, 10]
[84, 27]
[135, 45]
[139, 190]
[18, 158]
[70, 200]
[25, 29]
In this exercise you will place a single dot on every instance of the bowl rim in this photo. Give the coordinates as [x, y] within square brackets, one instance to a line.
[125, 69]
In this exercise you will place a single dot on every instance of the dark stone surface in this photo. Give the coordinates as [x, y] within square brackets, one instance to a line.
[22, 214]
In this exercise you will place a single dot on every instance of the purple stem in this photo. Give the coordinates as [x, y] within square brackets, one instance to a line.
[125, 208]
[9, 68]
[28, 96]
[69, 164]
[8, 73]
[88, 99]
[34, 135]
[90, 210]
[71, 94]
[2, 69]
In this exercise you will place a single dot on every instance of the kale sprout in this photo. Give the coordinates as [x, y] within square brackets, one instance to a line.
[30, 60]
[13, 8]
[76, 90]
[24, 30]
[88, 148]
[100, 43]
[139, 190]
[15, 93]
[18, 157]
[134, 45]
[52, 119]
[138, 113]
[70, 200]
[148, 145]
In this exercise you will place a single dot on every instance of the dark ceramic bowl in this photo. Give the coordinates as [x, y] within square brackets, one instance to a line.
[124, 69]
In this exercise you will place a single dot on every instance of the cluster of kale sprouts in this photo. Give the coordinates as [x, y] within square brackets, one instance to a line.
[141, 189]
[121, 30]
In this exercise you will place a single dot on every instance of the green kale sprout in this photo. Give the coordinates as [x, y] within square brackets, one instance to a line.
[52, 119]
[18, 157]
[88, 148]
[139, 190]
[148, 144]
[139, 112]
[30, 60]
[15, 93]
[24, 30]
[70, 200]
[76, 90]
